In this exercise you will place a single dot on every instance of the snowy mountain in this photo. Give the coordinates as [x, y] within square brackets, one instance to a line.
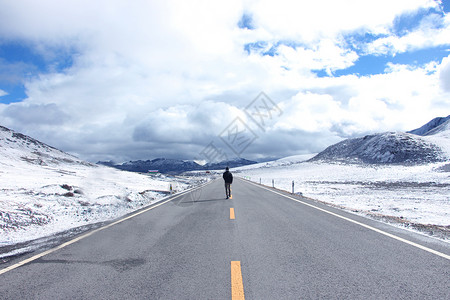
[175, 166]
[19, 147]
[384, 148]
[427, 144]
[442, 129]
[427, 128]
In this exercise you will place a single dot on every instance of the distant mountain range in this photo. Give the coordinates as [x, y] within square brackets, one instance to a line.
[174, 166]
[427, 144]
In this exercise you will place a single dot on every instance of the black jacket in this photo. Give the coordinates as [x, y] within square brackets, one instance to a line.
[228, 177]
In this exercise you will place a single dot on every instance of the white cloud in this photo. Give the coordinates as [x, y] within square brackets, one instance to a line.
[3, 93]
[311, 20]
[155, 78]
[400, 99]
[325, 55]
[444, 74]
[428, 34]
[186, 123]
[47, 114]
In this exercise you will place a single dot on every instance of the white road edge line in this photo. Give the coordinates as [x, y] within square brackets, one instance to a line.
[360, 224]
[28, 260]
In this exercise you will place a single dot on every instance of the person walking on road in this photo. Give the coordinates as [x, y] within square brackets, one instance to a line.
[228, 177]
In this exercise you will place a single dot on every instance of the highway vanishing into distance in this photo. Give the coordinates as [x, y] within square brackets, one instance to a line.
[262, 244]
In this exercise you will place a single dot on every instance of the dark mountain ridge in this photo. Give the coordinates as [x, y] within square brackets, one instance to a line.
[428, 127]
[174, 166]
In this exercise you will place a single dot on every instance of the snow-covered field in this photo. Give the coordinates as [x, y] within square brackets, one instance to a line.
[44, 201]
[412, 194]
[44, 191]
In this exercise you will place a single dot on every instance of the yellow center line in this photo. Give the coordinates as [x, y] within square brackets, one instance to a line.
[237, 287]
[232, 213]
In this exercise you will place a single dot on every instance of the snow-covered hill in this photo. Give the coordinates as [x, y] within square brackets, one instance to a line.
[425, 129]
[16, 147]
[441, 130]
[427, 144]
[44, 190]
[384, 148]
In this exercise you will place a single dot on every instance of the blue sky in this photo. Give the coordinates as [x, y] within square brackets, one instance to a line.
[21, 62]
[146, 80]
[376, 64]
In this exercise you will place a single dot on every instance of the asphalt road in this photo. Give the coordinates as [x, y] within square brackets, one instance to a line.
[274, 248]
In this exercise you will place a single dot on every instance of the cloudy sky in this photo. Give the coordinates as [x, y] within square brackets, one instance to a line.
[127, 80]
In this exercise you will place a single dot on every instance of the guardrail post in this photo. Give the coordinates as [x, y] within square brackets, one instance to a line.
[292, 186]
[273, 183]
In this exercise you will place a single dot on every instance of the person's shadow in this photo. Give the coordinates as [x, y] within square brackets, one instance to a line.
[193, 201]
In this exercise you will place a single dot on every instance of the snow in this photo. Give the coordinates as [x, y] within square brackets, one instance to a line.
[419, 194]
[36, 202]
[385, 148]
[45, 191]
[280, 162]
[430, 126]
[441, 137]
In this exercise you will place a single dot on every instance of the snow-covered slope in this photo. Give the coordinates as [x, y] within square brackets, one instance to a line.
[384, 148]
[44, 190]
[440, 136]
[285, 161]
[17, 147]
[425, 129]
[443, 129]
[427, 144]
